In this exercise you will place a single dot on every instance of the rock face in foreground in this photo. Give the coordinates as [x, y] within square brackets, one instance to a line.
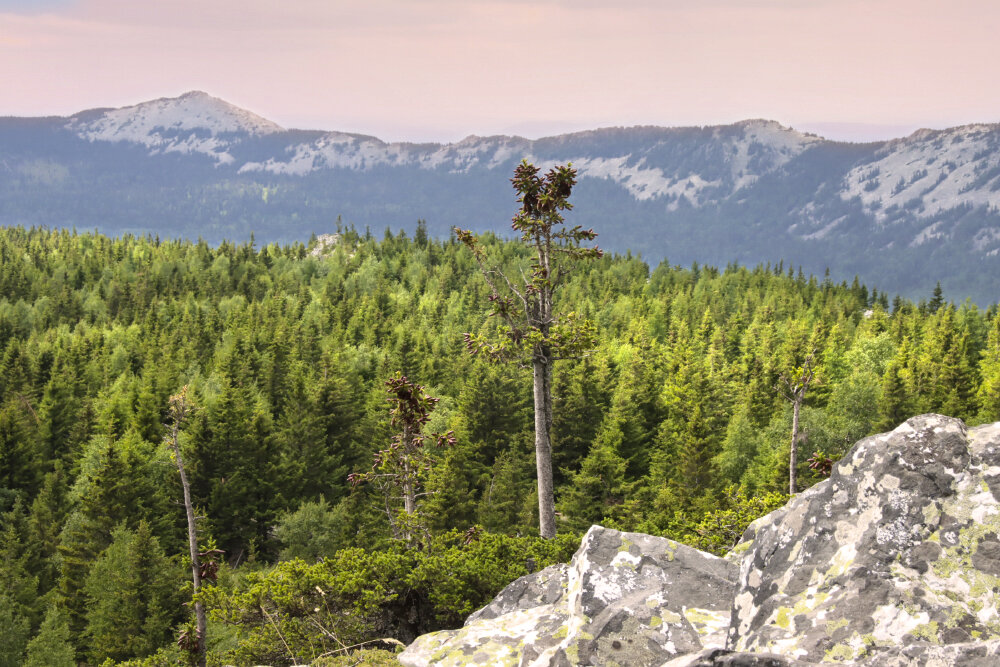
[900, 545]
[626, 599]
[893, 561]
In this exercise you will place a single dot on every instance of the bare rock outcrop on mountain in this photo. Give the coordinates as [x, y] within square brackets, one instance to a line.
[894, 560]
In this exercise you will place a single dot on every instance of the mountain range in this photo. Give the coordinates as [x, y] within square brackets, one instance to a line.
[902, 215]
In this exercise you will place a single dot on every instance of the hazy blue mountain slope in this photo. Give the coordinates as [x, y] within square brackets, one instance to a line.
[902, 214]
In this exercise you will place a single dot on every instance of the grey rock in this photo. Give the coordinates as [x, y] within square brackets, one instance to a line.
[724, 658]
[898, 547]
[545, 587]
[923, 654]
[892, 561]
[630, 599]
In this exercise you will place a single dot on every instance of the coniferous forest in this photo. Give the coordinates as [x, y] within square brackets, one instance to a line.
[677, 422]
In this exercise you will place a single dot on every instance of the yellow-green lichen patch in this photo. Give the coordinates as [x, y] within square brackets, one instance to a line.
[958, 559]
[839, 653]
[454, 657]
[927, 632]
[441, 653]
[841, 561]
[956, 615]
[833, 626]
[485, 658]
[655, 622]
[625, 558]
[740, 548]
[947, 565]
[561, 633]
[803, 606]
[670, 616]
[783, 618]
[706, 622]
[932, 514]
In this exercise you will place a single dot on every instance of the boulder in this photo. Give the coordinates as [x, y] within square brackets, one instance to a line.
[892, 561]
[625, 599]
[546, 587]
[899, 546]
[716, 657]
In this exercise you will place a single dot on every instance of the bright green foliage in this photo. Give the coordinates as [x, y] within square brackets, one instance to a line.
[315, 530]
[286, 354]
[508, 503]
[51, 647]
[718, 531]
[18, 584]
[132, 600]
[19, 458]
[594, 491]
[989, 390]
[367, 657]
[234, 465]
[580, 393]
[450, 488]
[399, 470]
[14, 629]
[357, 596]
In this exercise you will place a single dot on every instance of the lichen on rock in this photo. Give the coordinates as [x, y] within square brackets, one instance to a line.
[894, 560]
[629, 599]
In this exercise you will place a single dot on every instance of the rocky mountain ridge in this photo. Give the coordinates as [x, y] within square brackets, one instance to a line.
[892, 561]
[748, 192]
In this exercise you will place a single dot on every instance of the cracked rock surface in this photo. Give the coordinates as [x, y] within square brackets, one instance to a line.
[894, 560]
[625, 599]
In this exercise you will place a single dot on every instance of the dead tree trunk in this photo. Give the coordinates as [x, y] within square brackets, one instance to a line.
[542, 374]
[180, 408]
[796, 385]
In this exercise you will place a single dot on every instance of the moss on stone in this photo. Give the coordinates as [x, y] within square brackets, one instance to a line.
[701, 619]
[833, 626]
[927, 632]
[932, 513]
[742, 547]
[573, 653]
[671, 617]
[839, 653]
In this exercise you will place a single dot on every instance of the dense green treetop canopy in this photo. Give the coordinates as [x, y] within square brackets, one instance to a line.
[673, 424]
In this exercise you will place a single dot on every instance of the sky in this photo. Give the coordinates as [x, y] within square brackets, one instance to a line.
[439, 70]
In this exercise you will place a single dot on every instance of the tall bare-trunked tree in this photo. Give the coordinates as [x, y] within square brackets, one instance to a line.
[529, 331]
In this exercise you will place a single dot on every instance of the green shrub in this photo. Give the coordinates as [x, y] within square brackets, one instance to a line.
[297, 611]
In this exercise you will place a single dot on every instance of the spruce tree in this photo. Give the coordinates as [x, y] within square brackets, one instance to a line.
[14, 629]
[131, 597]
[51, 647]
[530, 330]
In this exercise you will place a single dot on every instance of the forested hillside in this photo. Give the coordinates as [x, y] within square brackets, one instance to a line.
[674, 424]
[903, 214]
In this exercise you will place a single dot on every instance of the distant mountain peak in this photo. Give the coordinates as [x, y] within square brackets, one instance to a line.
[194, 122]
[749, 190]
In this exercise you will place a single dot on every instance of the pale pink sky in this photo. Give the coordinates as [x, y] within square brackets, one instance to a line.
[443, 69]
